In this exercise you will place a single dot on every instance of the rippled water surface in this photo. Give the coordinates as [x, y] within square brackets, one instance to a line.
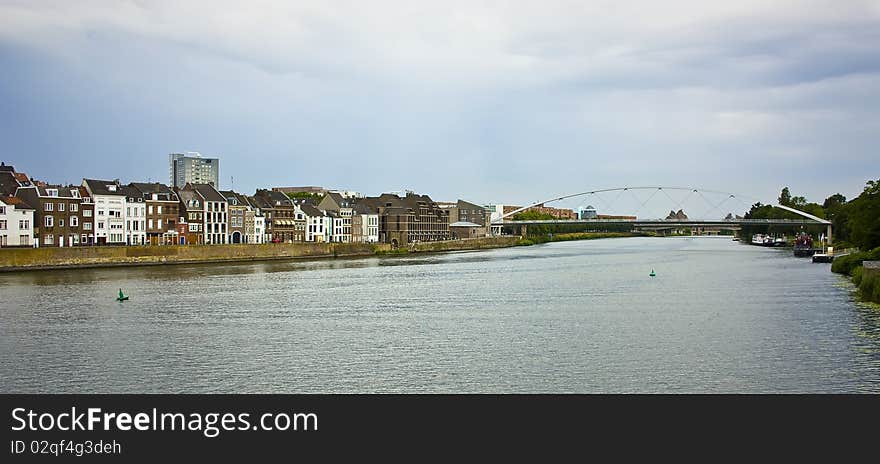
[563, 317]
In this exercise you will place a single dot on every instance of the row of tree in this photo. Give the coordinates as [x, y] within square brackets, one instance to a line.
[855, 222]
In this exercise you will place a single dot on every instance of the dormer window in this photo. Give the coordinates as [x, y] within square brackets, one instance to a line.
[111, 188]
[52, 192]
[74, 193]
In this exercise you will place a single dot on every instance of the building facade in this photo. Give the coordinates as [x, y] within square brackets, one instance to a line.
[57, 218]
[135, 216]
[163, 212]
[109, 207]
[191, 227]
[16, 223]
[409, 219]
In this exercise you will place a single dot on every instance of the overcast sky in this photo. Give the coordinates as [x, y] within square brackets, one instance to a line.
[488, 101]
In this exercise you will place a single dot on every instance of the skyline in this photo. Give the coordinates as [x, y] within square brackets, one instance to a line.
[495, 105]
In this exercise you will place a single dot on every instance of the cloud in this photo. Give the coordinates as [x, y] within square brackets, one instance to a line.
[454, 98]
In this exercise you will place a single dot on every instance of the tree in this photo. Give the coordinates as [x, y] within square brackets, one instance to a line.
[785, 197]
[863, 217]
[834, 201]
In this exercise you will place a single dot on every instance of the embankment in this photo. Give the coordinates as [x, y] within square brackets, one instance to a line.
[865, 272]
[17, 259]
[81, 257]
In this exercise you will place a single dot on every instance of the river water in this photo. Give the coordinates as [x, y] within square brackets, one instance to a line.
[563, 317]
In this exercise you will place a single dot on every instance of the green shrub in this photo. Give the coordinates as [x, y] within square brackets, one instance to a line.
[857, 275]
[847, 264]
[869, 288]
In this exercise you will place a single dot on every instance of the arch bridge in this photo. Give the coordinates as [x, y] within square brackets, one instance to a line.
[734, 223]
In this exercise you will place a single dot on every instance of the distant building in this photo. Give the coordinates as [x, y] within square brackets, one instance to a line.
[557, 213]
[192, 168]
[311, 189]
[279, 212]
[587, 212]
[408, 219]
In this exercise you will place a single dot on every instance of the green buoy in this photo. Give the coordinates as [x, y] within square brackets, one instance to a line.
[122, 296]
[652, 274]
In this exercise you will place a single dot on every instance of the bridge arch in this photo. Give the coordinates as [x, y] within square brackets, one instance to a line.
[500, 220]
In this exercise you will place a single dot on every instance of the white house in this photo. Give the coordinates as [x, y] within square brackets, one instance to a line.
[135, 216]
[317, 224]
[109, 201]
[259, 228]
[16, 223]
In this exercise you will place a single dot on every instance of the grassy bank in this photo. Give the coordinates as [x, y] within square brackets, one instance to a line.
[868, 283]
[537, 239]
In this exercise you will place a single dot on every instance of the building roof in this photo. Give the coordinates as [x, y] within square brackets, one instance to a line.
[17, 202]
[8, 183]
[207, 191]
[464, 224]
[234, 198]
[132, 194]
[5, 168]
[162, 191]
[365, 208]
[312, 211]
[272, 199]
[103, 187]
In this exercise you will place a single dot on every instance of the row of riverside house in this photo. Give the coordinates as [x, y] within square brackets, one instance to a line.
[107, 212]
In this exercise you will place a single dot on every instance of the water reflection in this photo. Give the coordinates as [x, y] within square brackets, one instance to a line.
[563, 317]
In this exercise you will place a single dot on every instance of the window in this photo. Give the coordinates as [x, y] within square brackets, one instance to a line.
[149, 224]
[52, 192]
[149, 209]
[61, 206]
[100, 212]
[159, 210]
[61, 223]
[48, 206]
[87, 226]
[100, 225]
[3, 224]
[49, 239]
[2, 210]
[24, 224]
[87, 213]
[128, 211]
[84, 239]
[74, 207]
[74, 221]
[50, 221]
[158, 224]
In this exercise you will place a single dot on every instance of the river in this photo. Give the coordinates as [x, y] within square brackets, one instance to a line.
[583, 316]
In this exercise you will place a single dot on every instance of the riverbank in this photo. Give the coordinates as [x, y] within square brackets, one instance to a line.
[538, 239]
[864, 273]
[20, 259]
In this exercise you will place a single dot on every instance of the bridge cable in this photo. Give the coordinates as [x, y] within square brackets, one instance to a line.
[716, 206]
[646, 202]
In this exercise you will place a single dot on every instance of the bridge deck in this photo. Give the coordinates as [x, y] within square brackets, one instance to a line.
[665, 223]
